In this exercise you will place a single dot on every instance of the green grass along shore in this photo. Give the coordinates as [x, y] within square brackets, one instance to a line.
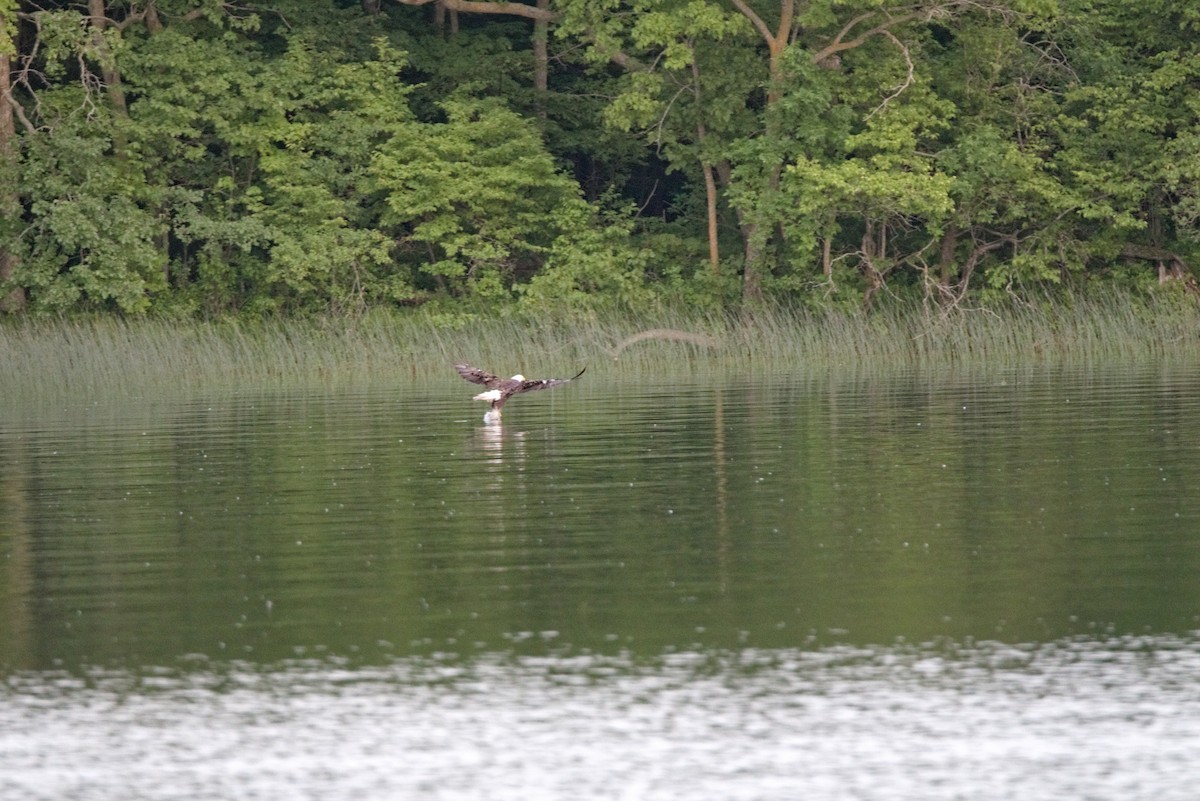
[103, 353]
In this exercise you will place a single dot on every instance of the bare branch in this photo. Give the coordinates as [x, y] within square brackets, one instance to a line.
[483, 7]
[626, 61]
[755, 20]
[19, 111]
[851, 25]
[908, 79]
[840, 43]
[891, 19]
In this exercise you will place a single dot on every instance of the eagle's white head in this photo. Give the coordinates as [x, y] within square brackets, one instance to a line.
[518, 377]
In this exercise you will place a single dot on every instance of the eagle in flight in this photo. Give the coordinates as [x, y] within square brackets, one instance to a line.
[499, 390]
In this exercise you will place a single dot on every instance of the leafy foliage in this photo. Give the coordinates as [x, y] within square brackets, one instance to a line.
[476, 192]
[199, 158]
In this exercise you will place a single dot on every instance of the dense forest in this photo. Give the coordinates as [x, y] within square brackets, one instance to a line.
[197, 157]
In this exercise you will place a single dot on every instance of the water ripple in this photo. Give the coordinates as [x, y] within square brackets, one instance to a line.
[1078, 718]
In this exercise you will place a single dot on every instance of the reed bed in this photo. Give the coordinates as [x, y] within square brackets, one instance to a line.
[139, 357]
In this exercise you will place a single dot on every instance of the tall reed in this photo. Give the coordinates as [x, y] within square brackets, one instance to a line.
[105, 354]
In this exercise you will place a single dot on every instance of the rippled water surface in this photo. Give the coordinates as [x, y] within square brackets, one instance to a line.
[766, 586]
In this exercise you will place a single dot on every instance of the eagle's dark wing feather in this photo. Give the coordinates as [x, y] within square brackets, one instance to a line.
[545, 383]
[477, 376]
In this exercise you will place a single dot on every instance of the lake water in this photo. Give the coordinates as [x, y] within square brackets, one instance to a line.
[760, 586]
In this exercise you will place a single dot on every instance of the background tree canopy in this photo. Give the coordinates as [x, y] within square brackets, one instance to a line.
[199, 157]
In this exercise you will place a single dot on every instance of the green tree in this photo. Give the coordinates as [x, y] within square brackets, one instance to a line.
[201, 157]
[86, 239]
[748, 90]
[477, 193]
[1130, 125]
[265, 160]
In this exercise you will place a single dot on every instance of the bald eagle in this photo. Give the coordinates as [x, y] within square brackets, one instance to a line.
[501, 389]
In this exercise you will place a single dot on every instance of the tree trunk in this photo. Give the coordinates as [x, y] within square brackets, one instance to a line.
[777, 40]
[98, 19]
[752, 249]
[710, 196]
[753, 256]
[541, 51]
[710, 182]
[153, 23]
[946, 258]
[442, 12]
[14, 300]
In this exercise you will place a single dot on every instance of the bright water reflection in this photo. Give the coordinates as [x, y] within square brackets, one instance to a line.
[1078, 719]
[778, 587]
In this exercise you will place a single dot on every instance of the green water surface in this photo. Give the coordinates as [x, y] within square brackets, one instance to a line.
[618, 515]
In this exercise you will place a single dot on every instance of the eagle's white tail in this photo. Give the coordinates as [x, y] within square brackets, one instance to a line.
[490, 395]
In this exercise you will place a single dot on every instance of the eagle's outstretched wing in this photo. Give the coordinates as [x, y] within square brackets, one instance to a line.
[477, 376]
[545, 383]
